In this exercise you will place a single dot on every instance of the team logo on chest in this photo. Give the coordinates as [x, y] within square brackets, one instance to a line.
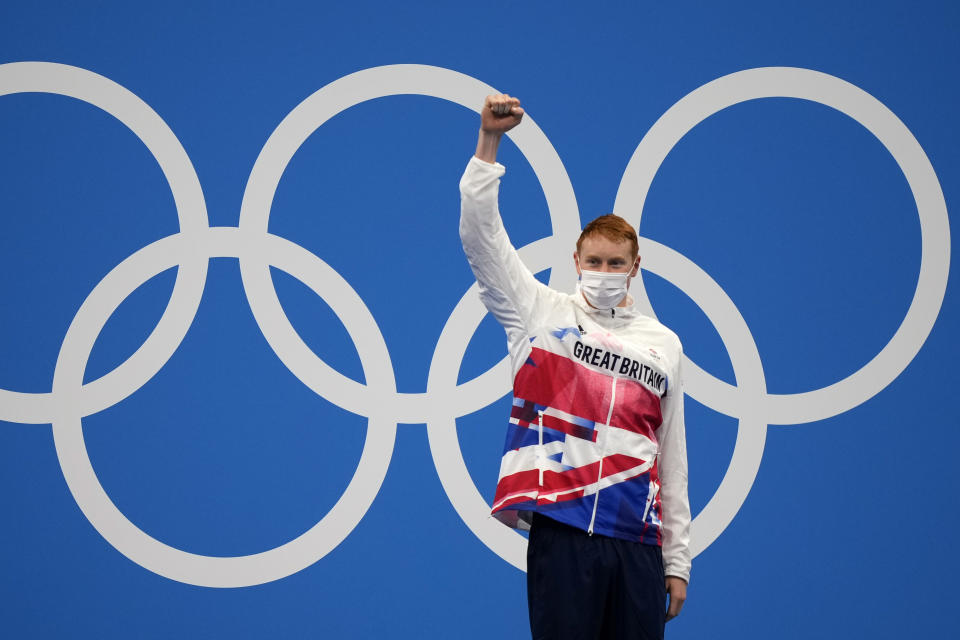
[606, 352]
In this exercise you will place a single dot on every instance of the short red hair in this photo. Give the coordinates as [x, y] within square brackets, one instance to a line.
[612, 227]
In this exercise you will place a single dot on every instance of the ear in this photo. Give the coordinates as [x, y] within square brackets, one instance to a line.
[636, 268]
[576, 262]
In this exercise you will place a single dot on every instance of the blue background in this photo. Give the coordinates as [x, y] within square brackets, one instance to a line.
[797, 211]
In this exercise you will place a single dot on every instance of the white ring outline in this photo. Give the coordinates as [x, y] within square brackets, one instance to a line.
[431, 407]
[278, 151]
[143, 122]
[751, 433]
[815, 86]
[108, 520]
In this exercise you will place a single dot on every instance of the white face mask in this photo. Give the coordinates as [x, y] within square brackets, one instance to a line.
[603, 290]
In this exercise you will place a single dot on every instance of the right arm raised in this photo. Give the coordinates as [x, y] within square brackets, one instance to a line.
[507, 288]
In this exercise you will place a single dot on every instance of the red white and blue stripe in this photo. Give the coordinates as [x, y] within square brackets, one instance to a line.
[581, 446]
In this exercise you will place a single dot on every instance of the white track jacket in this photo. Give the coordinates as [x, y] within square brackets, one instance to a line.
[596, 434]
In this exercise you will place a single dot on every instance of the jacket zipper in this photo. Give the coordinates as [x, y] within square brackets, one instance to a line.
[540, 455]
[603, 451]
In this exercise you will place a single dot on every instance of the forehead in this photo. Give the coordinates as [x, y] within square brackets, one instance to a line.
[597, 245]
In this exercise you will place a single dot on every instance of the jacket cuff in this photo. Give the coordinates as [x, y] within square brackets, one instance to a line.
[482, 165]
[675, 572]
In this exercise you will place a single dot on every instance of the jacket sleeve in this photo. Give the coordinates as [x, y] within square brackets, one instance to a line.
[507, 287]
[675, 518]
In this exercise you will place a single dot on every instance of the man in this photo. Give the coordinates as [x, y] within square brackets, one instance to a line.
[595, 455]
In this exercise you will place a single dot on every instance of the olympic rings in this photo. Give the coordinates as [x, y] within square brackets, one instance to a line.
[444, 400]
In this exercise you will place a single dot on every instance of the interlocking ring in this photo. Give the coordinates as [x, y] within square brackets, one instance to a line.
[749, 400]
[444, 400]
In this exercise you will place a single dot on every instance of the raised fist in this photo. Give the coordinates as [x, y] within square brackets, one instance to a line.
[500, 114]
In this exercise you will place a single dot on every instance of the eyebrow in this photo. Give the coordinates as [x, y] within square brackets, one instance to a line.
[614, 259]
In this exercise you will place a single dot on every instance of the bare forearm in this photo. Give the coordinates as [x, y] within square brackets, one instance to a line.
[487, 145]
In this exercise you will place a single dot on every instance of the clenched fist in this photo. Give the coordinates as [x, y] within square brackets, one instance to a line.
[500, 114]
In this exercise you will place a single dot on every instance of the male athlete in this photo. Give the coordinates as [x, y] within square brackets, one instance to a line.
[595, 461]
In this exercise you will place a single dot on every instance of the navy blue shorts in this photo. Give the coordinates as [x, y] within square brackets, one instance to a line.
[583, 587]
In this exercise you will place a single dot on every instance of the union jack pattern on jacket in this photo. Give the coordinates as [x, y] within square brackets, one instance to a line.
[596, 435]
